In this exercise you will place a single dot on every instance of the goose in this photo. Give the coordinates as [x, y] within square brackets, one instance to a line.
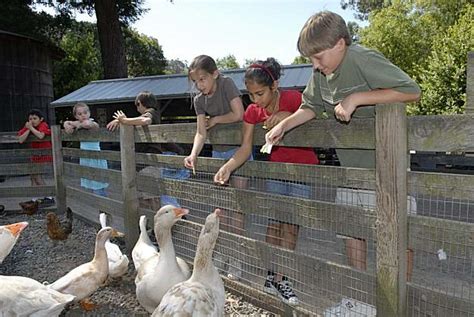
[24, 296]
[203, 293]
[118, 262]
[159, 273]
[9, 234]
[85, 279]
[144, 248]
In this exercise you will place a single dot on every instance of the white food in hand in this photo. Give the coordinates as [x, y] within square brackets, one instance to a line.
[266, 148]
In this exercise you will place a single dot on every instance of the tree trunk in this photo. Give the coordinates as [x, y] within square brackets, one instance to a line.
[111, 39]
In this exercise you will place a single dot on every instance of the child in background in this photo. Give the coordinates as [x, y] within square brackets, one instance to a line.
[219, 99]
[147, 106]
[270, 107]
[347, 77]
[84, 121]
[40, 129]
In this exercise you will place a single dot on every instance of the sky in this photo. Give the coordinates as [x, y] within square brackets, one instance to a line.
[247, 29]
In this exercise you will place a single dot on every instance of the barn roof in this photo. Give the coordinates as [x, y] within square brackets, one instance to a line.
[167, 86]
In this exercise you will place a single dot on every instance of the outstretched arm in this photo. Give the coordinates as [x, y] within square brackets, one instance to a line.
[199, 139]
[122, 118]
[239, 158]
[297, 118]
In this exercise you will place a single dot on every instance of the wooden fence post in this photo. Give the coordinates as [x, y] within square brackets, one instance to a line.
[58, 168]
[129, 185]
[391, 187]
[470, 84]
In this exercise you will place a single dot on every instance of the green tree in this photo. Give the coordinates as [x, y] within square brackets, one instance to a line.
[248, 62]
[364, 7]
[144, 54]
[420, 36]
[82, 61]
[175, 66]
[443, 79]
[301, 60]
[227, 62]
[401, 34]
[112, 16]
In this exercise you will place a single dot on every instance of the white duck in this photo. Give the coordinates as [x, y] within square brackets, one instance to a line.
[23, 296]
[203, 294]
[159, 273]
[85, 279]
[9, 234]
[118, 262]
[144, 248]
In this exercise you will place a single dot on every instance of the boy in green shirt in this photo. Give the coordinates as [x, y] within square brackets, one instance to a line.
[347, 81]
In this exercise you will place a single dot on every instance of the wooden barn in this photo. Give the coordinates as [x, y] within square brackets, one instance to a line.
[26, 79]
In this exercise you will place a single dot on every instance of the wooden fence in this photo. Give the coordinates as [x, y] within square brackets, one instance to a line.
[14, 161]
[392, 134]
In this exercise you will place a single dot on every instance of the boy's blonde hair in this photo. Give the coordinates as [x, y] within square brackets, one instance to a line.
[79, 105]
[321, 32]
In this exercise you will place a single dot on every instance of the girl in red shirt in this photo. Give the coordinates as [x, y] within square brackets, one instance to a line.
[37, 127]
[270, 106]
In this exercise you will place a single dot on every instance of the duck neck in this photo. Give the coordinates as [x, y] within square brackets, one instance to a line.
[165, 243]
[100, 253]
[203, 266]
[144, 235]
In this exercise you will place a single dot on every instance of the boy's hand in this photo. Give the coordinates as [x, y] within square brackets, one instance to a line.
[344, 110]
[112, 125]
[119, 115]
[222, 176]
[274, 135]
[28, 125]
[276, 118]
[189, 161]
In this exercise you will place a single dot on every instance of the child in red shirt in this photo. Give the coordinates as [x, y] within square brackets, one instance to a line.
[36, 126]
[270, 106]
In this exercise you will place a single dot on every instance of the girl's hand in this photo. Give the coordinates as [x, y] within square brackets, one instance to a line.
[210, 122]
[222, 176]
[276, 118]
[68, 127]
[274, 135]
[86, 124]
[189, 161]
[119, 115]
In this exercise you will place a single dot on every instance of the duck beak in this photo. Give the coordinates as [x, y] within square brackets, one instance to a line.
[17, 228]
[179, 212]
[117, 234]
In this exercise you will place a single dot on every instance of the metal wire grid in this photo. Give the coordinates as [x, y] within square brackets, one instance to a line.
[317, 243]
[443, 252]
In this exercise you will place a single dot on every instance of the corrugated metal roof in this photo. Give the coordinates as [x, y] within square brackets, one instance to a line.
[166, 86]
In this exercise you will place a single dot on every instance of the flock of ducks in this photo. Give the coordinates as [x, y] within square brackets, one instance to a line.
[164, 283]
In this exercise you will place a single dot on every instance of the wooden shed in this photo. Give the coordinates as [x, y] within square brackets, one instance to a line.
[26, 79]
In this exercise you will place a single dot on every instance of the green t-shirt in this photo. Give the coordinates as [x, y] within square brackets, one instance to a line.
[361, 70]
